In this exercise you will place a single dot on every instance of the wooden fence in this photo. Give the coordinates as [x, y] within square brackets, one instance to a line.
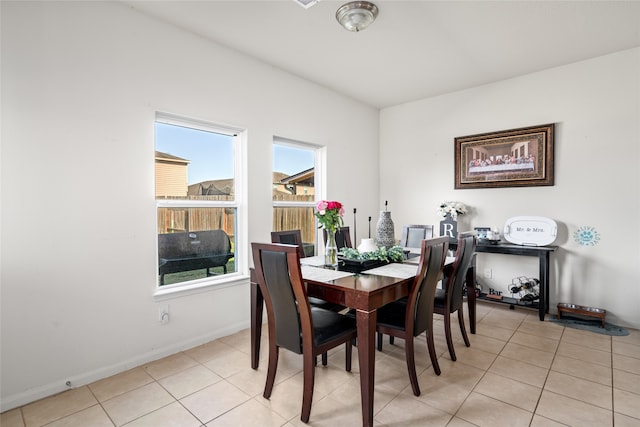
[174, 220]
[294, 218]
[181, 219]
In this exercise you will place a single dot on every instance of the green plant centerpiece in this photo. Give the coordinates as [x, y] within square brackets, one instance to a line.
[393, 254]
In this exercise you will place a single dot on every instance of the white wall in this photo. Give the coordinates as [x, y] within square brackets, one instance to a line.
[81, 82]
[595, 105]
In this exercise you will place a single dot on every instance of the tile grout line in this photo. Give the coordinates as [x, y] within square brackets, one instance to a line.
[555, 354]
[455, 415]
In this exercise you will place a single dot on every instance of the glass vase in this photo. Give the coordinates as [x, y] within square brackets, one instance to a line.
[331, 250]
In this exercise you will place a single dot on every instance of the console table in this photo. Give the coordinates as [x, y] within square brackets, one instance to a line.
[542, 252]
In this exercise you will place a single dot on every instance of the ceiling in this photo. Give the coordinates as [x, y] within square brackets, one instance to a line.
[415, 49]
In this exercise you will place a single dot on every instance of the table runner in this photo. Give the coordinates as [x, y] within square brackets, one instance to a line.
[316, 261]
[394, 269]
[322, 274]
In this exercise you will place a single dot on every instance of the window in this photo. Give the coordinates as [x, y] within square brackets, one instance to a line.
[295, 167]
[198, 170]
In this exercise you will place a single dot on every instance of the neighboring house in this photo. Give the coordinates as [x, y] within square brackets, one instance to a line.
[299, 184]
[172, 181]
[171, 175]
[217, 187]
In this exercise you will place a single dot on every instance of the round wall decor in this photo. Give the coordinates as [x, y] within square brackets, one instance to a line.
[586, 236]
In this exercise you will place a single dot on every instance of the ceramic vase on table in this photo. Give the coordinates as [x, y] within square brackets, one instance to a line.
[331, 250]
[367, 245]
[385, 230]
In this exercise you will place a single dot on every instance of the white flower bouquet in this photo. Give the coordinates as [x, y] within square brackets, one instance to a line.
[452, 209]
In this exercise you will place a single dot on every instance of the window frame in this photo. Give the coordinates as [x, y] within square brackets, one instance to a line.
[320, 183]
[239, 204]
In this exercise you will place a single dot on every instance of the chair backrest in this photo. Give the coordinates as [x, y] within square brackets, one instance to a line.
[467, 242]
[343, 237]
[414, 234]
[277, 271]
[289, 237]
[420, 304]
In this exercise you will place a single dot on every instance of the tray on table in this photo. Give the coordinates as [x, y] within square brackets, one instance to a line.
[358, 265]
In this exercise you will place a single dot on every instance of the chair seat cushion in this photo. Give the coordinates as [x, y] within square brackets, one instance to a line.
[329, 325]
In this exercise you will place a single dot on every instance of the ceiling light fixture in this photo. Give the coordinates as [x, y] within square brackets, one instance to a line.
[357, 15]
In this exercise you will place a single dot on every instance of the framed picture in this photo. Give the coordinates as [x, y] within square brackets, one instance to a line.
[481, 232]
[510, 158]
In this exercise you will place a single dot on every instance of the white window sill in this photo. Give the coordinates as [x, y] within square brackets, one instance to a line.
[204, 285]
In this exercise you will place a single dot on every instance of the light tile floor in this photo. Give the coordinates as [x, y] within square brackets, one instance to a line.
[518, 371]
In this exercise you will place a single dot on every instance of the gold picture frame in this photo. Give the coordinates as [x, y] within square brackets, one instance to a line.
[520, 157]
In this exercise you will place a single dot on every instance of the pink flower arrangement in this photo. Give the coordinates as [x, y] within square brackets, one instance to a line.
[329, 214]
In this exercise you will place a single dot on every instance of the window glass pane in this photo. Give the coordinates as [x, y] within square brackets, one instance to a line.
[294, 191]
[293, 173]
[193, 164]
[206, 250]
[196, 207]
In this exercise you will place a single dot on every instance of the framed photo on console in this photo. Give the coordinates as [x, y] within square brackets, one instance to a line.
[481, 232]
[520, 157]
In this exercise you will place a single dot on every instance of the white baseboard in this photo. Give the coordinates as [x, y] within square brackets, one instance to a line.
[82, 379]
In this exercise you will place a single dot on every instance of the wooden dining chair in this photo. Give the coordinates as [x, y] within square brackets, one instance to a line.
[289, 237]
[294, 237]
[449, 299]
[412, 237]
[409, 319]
[414, 234]
[292, 323]
[343, 237]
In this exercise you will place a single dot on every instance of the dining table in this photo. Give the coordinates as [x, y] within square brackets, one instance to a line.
[365, 293]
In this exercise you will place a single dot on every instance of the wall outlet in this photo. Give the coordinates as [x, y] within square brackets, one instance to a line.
[488, 273]
[163, 314]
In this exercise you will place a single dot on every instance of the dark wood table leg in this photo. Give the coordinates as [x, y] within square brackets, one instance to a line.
[471, 298]
[471, 294]
[366, 323]
[257, 301]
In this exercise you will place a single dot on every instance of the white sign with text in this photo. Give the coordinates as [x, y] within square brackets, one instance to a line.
[530, 230]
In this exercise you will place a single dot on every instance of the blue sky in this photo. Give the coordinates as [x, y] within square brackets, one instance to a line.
[211, 154]
[291, 160]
